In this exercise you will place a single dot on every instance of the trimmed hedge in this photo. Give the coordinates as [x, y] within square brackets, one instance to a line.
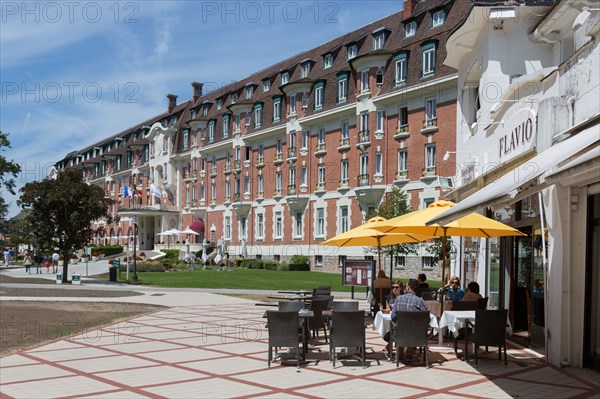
[108, 250]
[299, 267]
[171, 253]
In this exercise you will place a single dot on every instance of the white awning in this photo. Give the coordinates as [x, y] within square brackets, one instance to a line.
[524, 178]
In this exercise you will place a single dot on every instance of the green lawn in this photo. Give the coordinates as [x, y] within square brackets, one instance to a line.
[251, 279]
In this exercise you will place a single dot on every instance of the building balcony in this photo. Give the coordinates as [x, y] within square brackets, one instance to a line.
[401, 177]
[236, 197]
[260, 162]
[292, 156]
[260, 195]
[247, 163]
[227, 168]
[237, 166]
[227, 200]
[430, 126]
[362, 180]
[278, 193]
[194, 203]
[187, 176]
[364, 140]
[321, 150]
[194, 174]
[429, 173]
[278, 159]
[344, 144]
[344, 185]
[213, 172]
[291, 189]
[202, 173]
[320, 188]
[401, 132]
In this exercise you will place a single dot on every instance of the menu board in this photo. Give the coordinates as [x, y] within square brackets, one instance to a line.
[357, 273]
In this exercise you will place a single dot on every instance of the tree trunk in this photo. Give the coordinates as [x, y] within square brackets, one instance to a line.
[65, 268]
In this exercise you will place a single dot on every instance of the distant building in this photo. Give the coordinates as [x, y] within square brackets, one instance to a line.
[298, 152]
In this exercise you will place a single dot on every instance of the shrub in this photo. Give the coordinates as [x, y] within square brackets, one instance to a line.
[256, 264]
[284, 267]
[294, 267]
[143, 254]
[150, 267]
[247, 263]
[299, 260]
[108, 250]
[271, 265]
[171, 253]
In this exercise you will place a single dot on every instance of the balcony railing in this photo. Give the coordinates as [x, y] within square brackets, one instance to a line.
[429, 171]
[278, 192]
[260, 194]
[291, 190]
[364, 138]
[278, 158]
[363, 180]
[213, 171]
[344, 144]
[292, 152]
[343, 184]
[321, 150]
[236, 197]
[237, 165]
[401, 176]
[401, 131]
[227, 199]
[194, 174]
[260, 161]
[227, 168]
[430, 123]
[320, 186]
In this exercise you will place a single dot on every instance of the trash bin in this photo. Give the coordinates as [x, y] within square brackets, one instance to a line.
[76, 279]
[112, 273]
[58, 278]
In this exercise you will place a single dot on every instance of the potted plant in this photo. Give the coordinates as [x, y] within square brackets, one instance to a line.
[110, 262]
[73, 259]
[61, 260]
[95, 256]
[101, 254]
[142, 254]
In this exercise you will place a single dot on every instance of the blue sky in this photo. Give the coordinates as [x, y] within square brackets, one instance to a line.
[72, 73]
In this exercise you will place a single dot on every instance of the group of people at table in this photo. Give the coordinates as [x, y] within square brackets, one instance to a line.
[410, 297]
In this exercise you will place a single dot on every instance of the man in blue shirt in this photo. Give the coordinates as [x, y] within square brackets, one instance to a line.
[453, 291]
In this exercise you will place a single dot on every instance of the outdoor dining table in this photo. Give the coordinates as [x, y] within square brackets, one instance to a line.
[305, 315]
[298, 292]
[435, 307]
[292, 298]
[454, 320]
[383, 323]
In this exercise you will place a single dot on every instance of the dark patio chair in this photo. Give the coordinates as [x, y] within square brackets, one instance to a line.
[482, 303]
[489, 330]
[464, 305]
[377, 294]
[290, 305]
[347, 330]
[428, 295]
[345, 306]
[318, 321]
[410, 330]
[284, 332]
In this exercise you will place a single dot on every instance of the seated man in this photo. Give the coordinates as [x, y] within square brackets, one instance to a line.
[407, 302]
[423, 286]
[472, 292]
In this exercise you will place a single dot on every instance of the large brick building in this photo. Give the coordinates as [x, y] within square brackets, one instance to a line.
[298, 152]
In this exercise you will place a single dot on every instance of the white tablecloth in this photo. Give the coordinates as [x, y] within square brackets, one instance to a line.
[456, 319]
[383, 323]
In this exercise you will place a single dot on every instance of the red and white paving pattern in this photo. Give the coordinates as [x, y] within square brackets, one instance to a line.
[219, 350]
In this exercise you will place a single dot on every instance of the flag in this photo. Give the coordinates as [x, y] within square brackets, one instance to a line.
[126, 192]
[155, 192]
[138, 189]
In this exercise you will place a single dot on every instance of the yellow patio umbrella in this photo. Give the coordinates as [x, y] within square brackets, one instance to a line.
[472, 225]
[365, 236]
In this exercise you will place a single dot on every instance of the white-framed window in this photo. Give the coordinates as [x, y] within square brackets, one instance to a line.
[227, 227]
[211, 132]
[437, 18]
[364, 164]
[344, 171]
[276, 110]
[341, 260]
[430, 156]
[321, 174]
[410, 29]
[401, 70]
[402, 160]
[364, 80]
[428, 66]
[278, 228]
[213, 191]
[266, 85]
[298, 224]
[327, 61]
[304, 101]
[344, 219]
[345, 130]
[378, 41]
[351, 51]
[260, 226]
[402, 116]
[225, 127]
[292, 143]
[234, 98]
[305, 70]
[292, 104]
[261, 151]
[247, 185]
[292, 176]
[249, 92]
[342, 89]
[399, 262]
[186, 140]
[260, 183]
[430, 111]
[320, 222]
[304, 176]
[227, 189]
[219, 104]
[285, 77]
[318, 97]
[321, 136]
[380, 120]
[364, 122]
[205, 110]
[279, 146]
[243, 224]
[238, 123]
[278, 181]
[305, 135]
[378, 164]
[202, 192]
[258, 117]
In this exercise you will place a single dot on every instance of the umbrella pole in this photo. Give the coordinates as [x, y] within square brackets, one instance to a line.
[379, 269]
[443, 265]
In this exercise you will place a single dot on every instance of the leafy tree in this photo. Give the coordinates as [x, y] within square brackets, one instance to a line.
[19, 229]
[8, 173]
[395, 204]
[62, 211]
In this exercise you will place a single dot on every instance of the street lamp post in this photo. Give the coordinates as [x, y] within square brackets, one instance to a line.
[135, 277]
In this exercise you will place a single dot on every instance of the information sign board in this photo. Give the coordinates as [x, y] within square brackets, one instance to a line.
[357, 273]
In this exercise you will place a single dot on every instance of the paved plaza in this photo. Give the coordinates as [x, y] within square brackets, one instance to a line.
[214, 346]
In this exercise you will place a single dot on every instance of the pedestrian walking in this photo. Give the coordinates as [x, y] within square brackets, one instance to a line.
[38, 261]
[6, 255]
[47, 260]
[27, 261]
[55, 258]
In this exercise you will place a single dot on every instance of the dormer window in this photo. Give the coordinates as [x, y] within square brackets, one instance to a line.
[410, 29]
[304, 70]
[378, 41]
[193, 115]
[437, 18]
[234, 98]
[249, 92]
[351, 51]
[285, 77]
[266, 85]
[205, 110]
[304, 101]
[327, 61]
[219, 104]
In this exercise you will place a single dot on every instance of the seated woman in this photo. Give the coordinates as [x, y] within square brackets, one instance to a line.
[453, 291]
[472, 292]
[397, 290]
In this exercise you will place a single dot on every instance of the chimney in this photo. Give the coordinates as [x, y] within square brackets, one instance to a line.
[197, 92]
[172, 102]
[409, 8]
